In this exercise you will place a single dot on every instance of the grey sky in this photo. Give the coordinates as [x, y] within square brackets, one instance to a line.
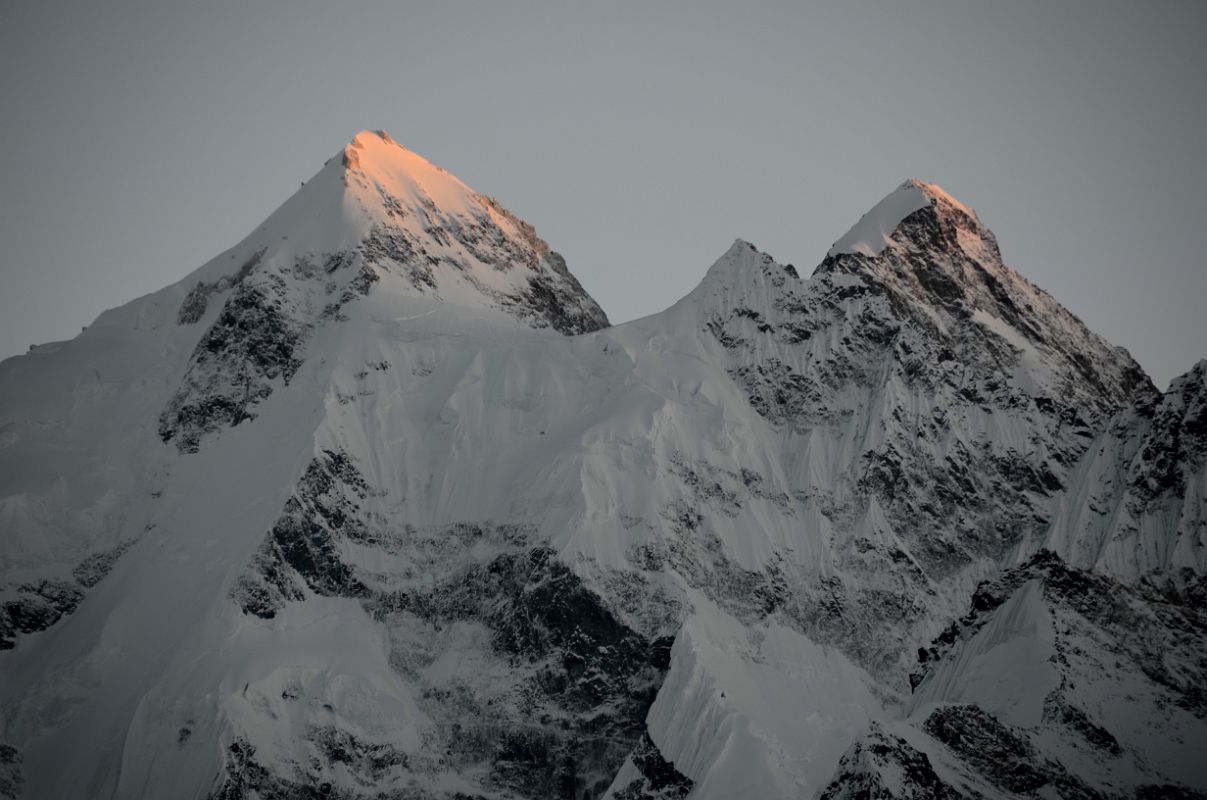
[139, 139]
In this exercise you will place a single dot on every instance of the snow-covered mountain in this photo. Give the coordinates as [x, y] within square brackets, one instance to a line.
[377, 505]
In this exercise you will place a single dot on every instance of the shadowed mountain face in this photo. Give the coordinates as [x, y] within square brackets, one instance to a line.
[377, 505]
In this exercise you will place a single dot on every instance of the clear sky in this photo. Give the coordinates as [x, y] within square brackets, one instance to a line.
[139, 139]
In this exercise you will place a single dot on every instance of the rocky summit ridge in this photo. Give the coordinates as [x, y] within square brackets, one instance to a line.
[377, 504]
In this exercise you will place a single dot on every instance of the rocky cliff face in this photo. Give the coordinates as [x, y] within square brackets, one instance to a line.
[1139, 499]
[934, 404]
[377, 505]
[1058, 682]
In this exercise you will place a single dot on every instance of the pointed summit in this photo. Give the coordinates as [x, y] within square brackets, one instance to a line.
[398, 219]
[375, 161]
[377, 225]
[941, 268]
[454, 242]
[872, 233]
[875, 229]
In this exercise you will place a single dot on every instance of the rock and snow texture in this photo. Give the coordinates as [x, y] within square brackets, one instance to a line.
[874, 231]
[1058, 683]
[1103, 677]
[1141, 490]
[376, 504]
[376, 213]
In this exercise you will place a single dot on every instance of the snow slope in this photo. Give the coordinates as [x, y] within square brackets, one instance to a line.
[875, 229]
[375, 504]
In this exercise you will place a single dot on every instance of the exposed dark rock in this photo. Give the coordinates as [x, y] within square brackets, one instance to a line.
[1060, 712]
[93, 569]
[908, 349]
[551, 297]
[195, 303]
[557, 301]
[1135, 619]
[910, 774]
[10, 772]
[36, 607]
[245, 778]
[696, 554]
[586, 679]
[304, 542]
[595, 677]
[253, 343]
[984, 758]
[386, 246]
[1007, 759]
[659, 779]
[1152, 633]
[1174, 445]
[933, 266]
[368, 761]
[776, 391]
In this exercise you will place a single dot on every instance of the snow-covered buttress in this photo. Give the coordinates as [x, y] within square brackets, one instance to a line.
[377, 505]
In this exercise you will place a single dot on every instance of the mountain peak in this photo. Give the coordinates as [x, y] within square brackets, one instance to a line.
[875, 229]
[377, 154]
[1190, 385]
[939, 196]
[416, 231]
[368, 136]
[374, 161]
[941, 267]
[401, 216]
[363, 141]
[743, 275]
[379, 228]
